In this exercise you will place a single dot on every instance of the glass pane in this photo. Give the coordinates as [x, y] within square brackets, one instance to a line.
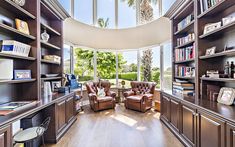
[127, 67]
[84, 64]
[126, 13]
[166, 4]
[167, 67]
[106, 13]
[83, 11]
[106, 66]
[66, 4]
[67, 59]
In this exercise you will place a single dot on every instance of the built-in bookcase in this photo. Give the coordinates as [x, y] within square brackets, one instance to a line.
[38, 15]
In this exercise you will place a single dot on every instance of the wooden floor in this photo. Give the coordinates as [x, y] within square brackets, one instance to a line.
[119, 128]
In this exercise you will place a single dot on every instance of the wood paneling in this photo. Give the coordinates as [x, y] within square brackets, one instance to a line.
[5, 137]
[61, 117]
[165, 111]
[230, 135]
[70, 106]
[175, 114]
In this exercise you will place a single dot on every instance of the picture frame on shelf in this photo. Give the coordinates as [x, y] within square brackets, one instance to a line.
[226, 96]
[55, 85]
[211, 27]
[227, 20]
[22, 74]
[22, 26]
[210, 51]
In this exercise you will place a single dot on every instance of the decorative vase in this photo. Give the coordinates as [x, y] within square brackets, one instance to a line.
[44, 36]
[19, 2]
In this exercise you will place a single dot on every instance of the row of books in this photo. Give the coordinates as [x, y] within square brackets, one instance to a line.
[185, 53]
[183, 88]
[185, 22]
[184, 71]
[183, 40]
[206, 4]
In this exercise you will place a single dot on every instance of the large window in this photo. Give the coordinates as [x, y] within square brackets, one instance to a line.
[83, 11]
[106, 13]
[127, 70]
[166, 4]
[84, 64]
[126, 13]
[66, 4]
[167, 67]
[67, 59]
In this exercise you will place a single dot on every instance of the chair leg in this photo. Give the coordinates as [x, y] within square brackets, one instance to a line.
[43, 142]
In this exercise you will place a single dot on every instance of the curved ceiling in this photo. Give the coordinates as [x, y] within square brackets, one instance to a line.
[142, 36]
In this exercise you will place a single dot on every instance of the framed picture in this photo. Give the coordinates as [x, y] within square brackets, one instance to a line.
[226, 96]
[22, 74]
[22, 26]
[210, 51]
[55, 85]
[211, 27]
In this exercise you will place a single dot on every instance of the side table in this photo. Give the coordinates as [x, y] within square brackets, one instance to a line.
[120, 97]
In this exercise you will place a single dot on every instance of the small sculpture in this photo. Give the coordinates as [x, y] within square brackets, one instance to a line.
[44, 36]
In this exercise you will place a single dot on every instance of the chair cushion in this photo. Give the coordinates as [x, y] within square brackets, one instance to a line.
[135, 98]
[28, 134]
[104, 99]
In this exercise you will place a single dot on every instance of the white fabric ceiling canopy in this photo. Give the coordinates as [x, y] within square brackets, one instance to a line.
[151, 34]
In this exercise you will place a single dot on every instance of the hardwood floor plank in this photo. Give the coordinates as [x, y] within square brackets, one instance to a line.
[118, 128]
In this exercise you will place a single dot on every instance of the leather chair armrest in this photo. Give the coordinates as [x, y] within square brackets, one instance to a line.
[128, 93]
[92, 96]
[147, 96]
[112, 94]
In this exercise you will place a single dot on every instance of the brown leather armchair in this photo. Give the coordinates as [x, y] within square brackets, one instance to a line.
[140, 96]
[100, 103]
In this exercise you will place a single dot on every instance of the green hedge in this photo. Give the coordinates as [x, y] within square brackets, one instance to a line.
[131, 76]
[86, 78]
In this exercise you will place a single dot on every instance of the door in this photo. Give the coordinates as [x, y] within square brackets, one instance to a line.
[211, 131]
[174, 114]
[165, 108]
[69, 109]
[5, 137]
[230, 132]
[61, 120]
[188, 125]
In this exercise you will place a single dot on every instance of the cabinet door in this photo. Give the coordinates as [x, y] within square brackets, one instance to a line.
[61, 122]
[174, 114]
[5, 137]
[189, 125]
[69, 109]
[165, 108]
[230, 132]
[211, 131]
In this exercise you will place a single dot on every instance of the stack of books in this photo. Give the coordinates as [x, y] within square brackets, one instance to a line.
[183, 88]
[186, 39]
[206, 4]
[185, 22]
[184, 53]
[184, 71]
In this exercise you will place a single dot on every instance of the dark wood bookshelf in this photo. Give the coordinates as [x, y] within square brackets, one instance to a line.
[49, 45]
[185, 11]
[17, 81]
[20, 11]
[49, 62]
[12, 31]
[184, 78]
[220, 6]
[184, 61]
[186, 44]
[48, 12]
[222, 29]
[218, 79]
[16, 57]
[185, 29]
[220, 54]
[51, 78]
[50, 29]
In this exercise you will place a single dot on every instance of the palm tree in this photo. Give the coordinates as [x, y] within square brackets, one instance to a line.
[131, 3]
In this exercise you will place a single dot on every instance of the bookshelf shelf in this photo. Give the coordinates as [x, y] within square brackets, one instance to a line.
[184, 78]
[222, 29]
[217, 79]
[49, 62]
[184, 61]
[185, 11]
[186, 44]
[21, 12]
[16, 81]
[185, 29]
[225, 53]
[16, 57]
[13, 31]
[52, 78]
[220, 6]
[49, 45]
[50, 29]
